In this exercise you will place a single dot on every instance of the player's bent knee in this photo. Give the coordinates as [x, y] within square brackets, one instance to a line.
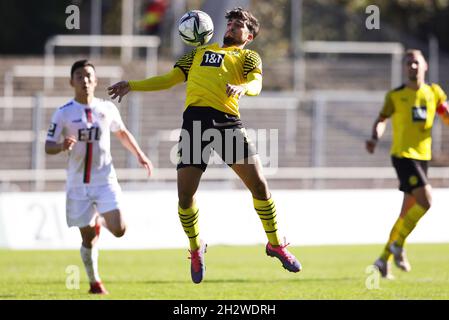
[423, 196]
[426, 204]
[119, 232]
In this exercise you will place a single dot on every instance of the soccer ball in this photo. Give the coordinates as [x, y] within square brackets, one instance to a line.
[196, 28]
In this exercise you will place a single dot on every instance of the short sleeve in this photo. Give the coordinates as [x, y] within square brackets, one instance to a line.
[56, 126]
[440, 95]
[116, 120]
[185, 62]
[388, 108]
[252, 63]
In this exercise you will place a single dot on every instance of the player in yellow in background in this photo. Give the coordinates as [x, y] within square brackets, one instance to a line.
[216, 79]
[412, 108]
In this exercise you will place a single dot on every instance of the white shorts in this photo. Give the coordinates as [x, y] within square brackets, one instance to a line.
[82, 203]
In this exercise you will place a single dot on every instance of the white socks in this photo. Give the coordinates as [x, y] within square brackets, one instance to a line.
[90, 260]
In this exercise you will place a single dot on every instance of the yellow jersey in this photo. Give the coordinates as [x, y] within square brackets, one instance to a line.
[412, 114]
[209, 68]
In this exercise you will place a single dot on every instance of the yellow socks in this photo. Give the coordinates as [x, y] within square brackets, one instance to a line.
[267, 214]
[411, 218]
[393, 236]
[189, 221]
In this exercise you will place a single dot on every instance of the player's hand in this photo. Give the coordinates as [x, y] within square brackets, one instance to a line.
[234, 90]
[371, 145]
[68, 143]
[146, 163]
[120, 89]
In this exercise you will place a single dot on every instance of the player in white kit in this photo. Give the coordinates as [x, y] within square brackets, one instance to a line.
[82, 128]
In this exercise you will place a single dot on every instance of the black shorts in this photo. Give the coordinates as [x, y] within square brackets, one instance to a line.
[204, 129]
[412, 173]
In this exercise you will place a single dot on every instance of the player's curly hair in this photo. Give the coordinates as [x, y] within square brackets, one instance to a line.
[251, 22]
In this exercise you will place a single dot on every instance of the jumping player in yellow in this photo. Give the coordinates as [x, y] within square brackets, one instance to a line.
[412, 108]
[216, 79]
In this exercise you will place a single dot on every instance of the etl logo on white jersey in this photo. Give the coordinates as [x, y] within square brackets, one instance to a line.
[90, 160]
[89, 134]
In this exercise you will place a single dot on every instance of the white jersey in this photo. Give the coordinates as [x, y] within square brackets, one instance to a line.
[90, 161]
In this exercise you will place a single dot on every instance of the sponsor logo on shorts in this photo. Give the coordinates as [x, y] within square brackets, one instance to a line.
[413, 180]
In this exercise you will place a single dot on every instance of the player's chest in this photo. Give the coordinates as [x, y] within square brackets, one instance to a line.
[87, 125]
[211, 59]
[416, 107]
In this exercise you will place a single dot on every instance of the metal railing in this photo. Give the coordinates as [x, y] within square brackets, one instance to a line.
[320, 166]
[395, 49]
[39, 71]
[151, 43]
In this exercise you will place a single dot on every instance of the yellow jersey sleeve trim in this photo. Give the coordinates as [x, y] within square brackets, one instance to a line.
[252, 62]
[162, 82]
[254, 84]
[185, 62]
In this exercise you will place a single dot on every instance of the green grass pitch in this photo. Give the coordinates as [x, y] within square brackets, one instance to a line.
[237, 272]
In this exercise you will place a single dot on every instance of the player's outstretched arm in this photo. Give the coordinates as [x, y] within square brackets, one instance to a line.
[130, 143]
[378, 130]
[55, 148]
[156, 83]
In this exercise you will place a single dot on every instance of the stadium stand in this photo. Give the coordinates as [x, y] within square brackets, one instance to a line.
[322, 129]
